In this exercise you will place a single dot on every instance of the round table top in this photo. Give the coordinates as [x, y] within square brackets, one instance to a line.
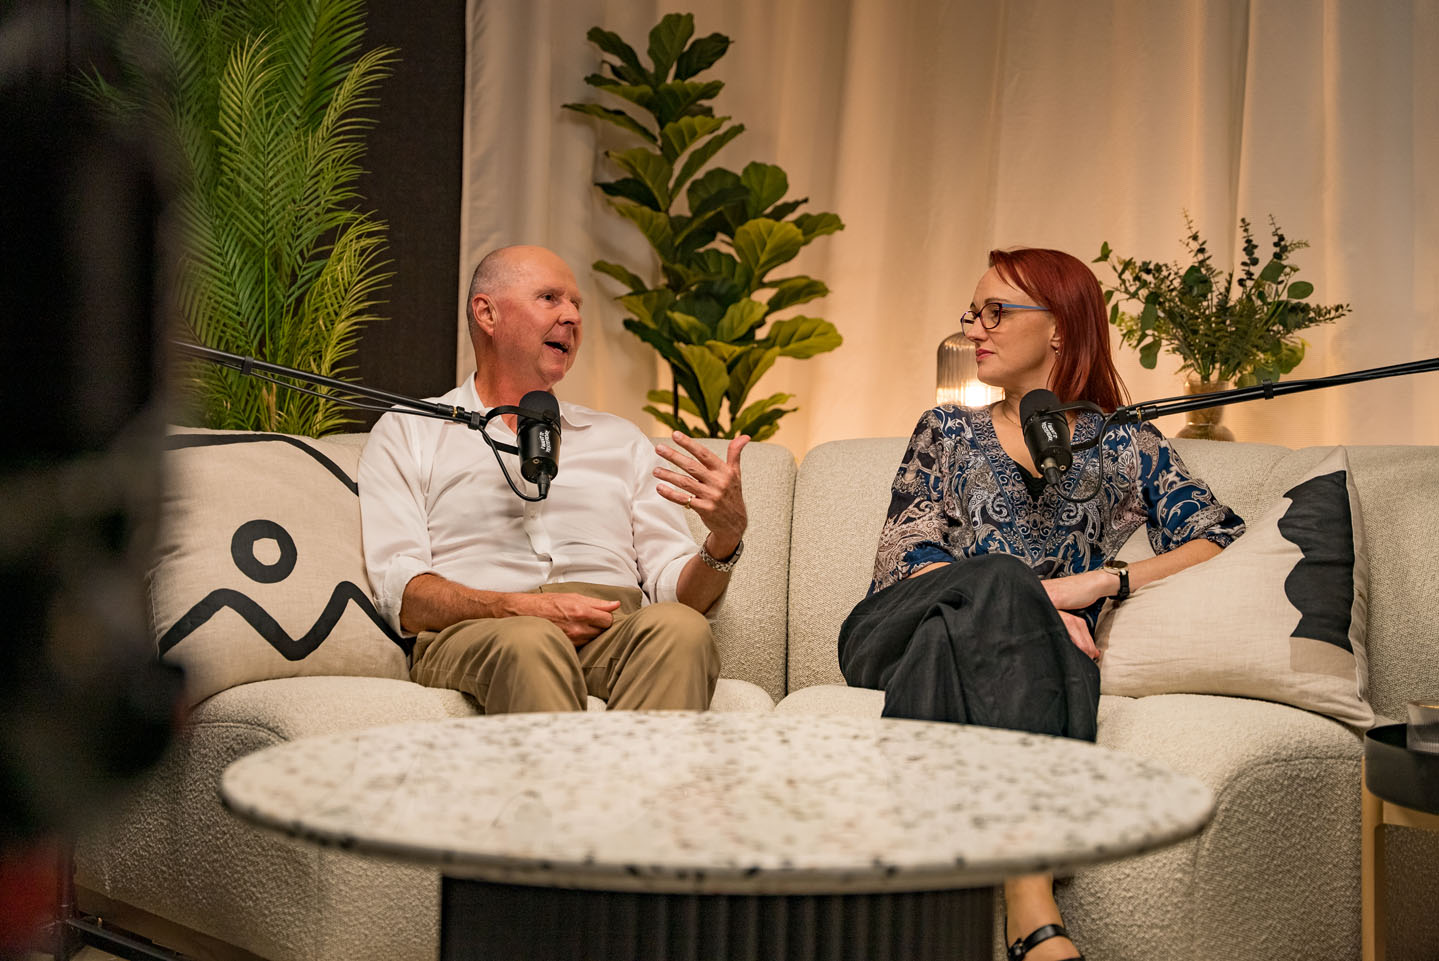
[718, 802]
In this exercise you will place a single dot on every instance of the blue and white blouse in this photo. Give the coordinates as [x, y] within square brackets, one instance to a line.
[959, 494]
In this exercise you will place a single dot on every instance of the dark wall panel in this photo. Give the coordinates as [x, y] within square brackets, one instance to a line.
[413, 180]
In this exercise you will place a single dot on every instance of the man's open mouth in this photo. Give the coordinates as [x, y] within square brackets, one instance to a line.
[562, 348]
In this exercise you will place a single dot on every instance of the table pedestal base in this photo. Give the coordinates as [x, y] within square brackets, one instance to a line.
[481, 921]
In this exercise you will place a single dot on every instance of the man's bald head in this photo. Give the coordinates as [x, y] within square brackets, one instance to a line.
[499, 270]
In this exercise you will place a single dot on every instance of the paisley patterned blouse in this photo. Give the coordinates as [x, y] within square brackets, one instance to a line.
[958, 494]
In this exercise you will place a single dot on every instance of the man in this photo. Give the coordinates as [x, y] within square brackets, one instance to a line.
[530, 606]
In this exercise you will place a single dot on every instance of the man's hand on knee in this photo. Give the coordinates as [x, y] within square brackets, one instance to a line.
[581, 618]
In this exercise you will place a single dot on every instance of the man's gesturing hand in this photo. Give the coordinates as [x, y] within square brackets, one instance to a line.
[708, 486]
[581, 618]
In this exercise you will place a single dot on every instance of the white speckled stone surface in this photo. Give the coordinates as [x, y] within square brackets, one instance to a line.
[720, 803]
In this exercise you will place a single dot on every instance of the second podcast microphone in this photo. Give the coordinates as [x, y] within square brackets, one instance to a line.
[1046, 434]
[539, 438]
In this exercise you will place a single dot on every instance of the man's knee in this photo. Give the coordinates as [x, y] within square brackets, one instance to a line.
[678, 629]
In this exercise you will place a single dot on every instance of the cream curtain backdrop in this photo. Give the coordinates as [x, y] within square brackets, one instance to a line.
[939, 129]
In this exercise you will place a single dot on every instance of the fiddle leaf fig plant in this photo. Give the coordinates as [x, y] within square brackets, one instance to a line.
[721, 238]
[1239, 328]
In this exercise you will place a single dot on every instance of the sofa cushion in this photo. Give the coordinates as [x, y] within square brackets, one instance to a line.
[1280, 615]
[258, 571]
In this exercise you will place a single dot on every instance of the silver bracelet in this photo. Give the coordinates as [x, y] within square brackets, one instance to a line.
[714, 563]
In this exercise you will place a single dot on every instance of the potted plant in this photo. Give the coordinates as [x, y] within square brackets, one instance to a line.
[1237, 328]
[720, 238]
[262, 105]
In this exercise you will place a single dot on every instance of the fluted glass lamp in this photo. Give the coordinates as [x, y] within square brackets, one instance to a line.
[957, 379]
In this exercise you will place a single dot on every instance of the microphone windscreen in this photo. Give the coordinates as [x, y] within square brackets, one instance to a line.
[1036, 401]
[542, 402]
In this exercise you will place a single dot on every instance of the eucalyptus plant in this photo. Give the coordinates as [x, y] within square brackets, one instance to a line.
[263, 105]
[720, 237]
[1238, 327]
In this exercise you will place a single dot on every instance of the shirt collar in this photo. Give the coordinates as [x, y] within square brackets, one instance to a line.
[572, 416]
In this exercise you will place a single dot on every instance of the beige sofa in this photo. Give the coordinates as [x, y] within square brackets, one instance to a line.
[1275, 875]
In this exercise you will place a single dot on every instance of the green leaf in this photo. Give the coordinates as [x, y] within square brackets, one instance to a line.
[727, 352]
[640, 94]
[712, 376]
[1149, 354]
[701, 55]
[1147, 317]
[781, 211]
[617, 117]
[763, 245]
[667, 41]
[650, 168]
[653, 224]
[702, 154]
[632, 189]
[741, 318]
[744, 423]
[795, 290]
[715, 189]
[667, 397]
[1104, 253]
[1272, 271]
[611, 44]
[803, 336]
[692, 327]
[649, 306]
[665, 346]
[1299, 290]
[762, 426]
[675, 99]
[767, 184]
[668, 419]
[622, 274]
[685, 132]
[817, 225]
[747, 372]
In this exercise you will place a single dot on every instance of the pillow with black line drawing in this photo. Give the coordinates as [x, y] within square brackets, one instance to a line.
[258, 571]
[1279, 615]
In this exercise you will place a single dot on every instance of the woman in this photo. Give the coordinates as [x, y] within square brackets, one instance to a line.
[988, 582]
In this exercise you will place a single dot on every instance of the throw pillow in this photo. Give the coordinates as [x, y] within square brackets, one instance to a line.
[1279, 615]
[259, 572]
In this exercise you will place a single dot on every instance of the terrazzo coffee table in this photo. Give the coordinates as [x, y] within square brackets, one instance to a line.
[715, 836]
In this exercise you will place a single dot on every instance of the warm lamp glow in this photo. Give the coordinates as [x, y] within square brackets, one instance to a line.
[957, 378]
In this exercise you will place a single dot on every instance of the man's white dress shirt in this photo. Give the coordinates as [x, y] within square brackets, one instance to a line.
[433, 500]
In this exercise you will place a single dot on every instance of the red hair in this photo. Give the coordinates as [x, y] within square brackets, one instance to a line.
[1084, 368]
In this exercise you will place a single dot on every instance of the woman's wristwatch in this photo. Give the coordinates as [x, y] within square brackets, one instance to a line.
[1119, 569]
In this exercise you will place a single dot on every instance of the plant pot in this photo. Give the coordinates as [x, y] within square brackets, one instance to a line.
[1205, 424]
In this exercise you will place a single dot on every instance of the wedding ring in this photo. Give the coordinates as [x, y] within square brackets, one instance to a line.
[689, 502]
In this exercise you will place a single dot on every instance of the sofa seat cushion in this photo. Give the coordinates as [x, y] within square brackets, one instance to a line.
[866, 702]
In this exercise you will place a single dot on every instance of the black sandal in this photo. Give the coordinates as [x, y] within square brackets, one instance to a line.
[1022, 946]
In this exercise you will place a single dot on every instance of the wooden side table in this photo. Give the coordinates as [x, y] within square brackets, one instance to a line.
[1375, 813]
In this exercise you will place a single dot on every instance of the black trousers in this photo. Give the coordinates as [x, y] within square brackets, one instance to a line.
[976, 642]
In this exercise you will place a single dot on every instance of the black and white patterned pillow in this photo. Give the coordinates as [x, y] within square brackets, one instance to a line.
[1281, 615]
[259, 572]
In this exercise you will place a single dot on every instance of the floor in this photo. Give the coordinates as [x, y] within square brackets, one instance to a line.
[86, 954]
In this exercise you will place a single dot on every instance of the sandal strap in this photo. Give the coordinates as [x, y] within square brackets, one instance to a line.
[1022, 946]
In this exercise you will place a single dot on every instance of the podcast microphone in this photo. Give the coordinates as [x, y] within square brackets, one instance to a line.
[538, 429]
[1046, 433]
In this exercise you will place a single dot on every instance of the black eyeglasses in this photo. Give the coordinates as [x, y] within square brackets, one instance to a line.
[991, 314]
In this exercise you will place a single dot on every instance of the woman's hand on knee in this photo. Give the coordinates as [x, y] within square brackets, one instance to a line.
[1077, 591]
[1079, 633]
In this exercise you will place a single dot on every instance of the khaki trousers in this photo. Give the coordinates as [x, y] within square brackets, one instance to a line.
[659, 657]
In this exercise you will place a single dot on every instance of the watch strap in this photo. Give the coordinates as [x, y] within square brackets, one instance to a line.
[714, 563]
